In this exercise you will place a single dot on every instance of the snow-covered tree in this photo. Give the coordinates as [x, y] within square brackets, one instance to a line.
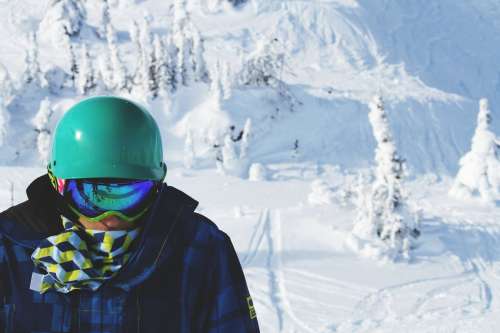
[198, 54]
[148, 52]
[4, 121]
[6, 85]
[227, 80]
[41, 122]
[246, 138]
[183, 40]
[190, 54]
[104, 76]
[479, 173]
[189, 155]
[385, 214]
[158, 68]
[118, 70]
[216, 87]
[145, 79]
[32, 72]
[63, 17]
[230, 159]
[216, 150]
[69, 49]
[171, 54]
[135, 33]
[163, 67]
[105, 19]
[185, 73]
[264, 67]
[180, 16]
[86, 74]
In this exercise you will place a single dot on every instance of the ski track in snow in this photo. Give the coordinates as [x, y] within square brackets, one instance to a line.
[268, 228]
[472, 291]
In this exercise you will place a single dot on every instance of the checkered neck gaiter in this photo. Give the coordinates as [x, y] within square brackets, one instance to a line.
[80, 258]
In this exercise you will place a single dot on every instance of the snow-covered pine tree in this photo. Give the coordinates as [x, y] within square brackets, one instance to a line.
[189, 155]
[4, 121]
[479, 173]
[198, 57]
[180, 16]
[135, 33]
[216, 87]
[41, 123]
[71, 55]
[158, 68]
[385, 213]
[6, 85]
[227, 80]
[32, 72]
[118, 69]
[246, 139]
[184, 63]
[63, 17]
[264, 68]
[151, 83]
[105, 19]
[230, 160]
[144, 78]
[104, 76]
[86, 74]
[213, 141]
[171, 54]
[182, 37]
[163, 68]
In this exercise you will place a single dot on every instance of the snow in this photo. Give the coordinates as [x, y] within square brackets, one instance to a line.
[479, 173]
[280, 156]
[257, 172]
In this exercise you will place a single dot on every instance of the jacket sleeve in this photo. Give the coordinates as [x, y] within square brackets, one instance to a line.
[2, 273]
[3, 291]
[231, 306]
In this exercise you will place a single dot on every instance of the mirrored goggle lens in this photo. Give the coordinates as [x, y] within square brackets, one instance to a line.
[94, 197]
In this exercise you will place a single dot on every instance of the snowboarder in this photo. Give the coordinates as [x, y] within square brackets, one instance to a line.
[104, 245]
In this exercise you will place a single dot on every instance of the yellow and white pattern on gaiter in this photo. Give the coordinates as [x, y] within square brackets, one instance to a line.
[80, 258]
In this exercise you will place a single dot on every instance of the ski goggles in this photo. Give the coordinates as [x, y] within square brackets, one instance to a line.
[98, 198]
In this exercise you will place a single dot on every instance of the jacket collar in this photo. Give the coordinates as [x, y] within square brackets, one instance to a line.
[168, 214]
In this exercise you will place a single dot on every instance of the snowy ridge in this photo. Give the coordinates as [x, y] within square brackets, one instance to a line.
[338, 54]
[291, 224]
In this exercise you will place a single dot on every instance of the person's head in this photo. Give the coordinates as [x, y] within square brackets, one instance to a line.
[107, 161]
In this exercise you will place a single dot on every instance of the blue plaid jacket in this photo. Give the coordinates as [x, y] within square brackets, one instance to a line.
[183, 276]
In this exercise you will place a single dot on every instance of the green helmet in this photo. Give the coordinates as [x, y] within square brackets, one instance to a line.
[107, 137]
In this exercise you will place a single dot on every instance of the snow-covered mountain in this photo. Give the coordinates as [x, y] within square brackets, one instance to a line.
[430, 60]
[284, 108]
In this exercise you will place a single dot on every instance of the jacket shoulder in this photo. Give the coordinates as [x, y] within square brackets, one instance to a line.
[208, 229]
[27, 217]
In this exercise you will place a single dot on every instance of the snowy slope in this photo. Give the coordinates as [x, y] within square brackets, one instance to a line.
[431, 61]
